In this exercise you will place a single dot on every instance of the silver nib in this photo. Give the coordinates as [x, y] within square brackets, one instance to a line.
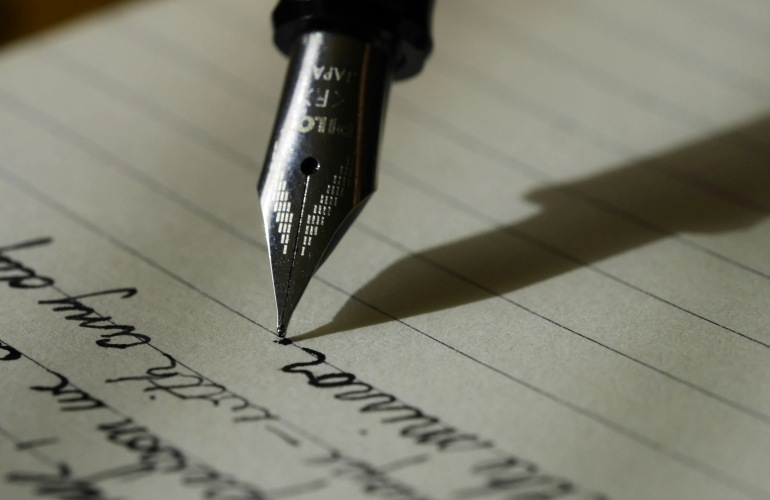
[320, 165]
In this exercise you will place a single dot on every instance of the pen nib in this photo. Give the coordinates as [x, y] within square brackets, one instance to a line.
[320, 165]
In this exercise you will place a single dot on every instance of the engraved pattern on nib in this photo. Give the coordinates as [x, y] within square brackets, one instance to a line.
[283, 214]
[282, 320]
[324, 207]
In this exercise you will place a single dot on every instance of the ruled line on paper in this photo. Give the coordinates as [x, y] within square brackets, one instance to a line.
[89, 76]
[78, 219]
[601, 77]
[709, 64]
[564, 63]
[35, 453]
[547, 51]
[505, 93]
[95, 81]
[746, 267]
[73, 398]
[601, 18]
[434, 124]
[695, 464]
[290, 428]
[718, 324]
[219, 222]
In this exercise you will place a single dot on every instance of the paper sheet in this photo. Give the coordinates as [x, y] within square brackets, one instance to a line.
[561, 288]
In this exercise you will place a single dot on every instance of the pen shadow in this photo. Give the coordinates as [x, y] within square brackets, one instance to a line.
[578, 227]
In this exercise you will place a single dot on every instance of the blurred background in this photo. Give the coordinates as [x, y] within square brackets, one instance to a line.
[20, 18]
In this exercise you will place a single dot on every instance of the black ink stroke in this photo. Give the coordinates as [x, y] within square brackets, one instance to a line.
[8, 353]
[413, 423]
[16, 274]
[116, 336]
[184, 384]
[503, 477]
[59, 484]
[69, 397]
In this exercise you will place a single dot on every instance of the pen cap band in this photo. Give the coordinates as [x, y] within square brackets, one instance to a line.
[401, 27]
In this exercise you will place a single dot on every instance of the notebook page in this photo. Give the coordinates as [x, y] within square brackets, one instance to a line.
[560, 289]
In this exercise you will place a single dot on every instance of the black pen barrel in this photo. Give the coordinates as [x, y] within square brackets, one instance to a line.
[402, 28]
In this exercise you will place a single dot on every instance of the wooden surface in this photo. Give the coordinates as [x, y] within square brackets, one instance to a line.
[19, 18]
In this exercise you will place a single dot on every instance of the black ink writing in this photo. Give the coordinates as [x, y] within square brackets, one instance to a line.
[414, 424]
[372, 480]
[185, 384]
[515, 478]
[115, 336]
[16, 274]
[507, 477]
[70, 398]
[59, 484]
[8, 353]
[20, 276]
[155, 456]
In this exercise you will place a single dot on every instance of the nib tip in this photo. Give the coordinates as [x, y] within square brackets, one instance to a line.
[281, 331]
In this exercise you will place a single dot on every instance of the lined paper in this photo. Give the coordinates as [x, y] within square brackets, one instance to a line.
[561, 288]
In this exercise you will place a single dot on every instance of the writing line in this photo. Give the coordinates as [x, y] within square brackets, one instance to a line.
[702, 467]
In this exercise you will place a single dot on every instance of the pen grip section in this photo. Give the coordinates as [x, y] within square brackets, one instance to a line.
[401, 28]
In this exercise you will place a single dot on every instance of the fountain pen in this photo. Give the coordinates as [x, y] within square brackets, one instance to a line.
[320, 166]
